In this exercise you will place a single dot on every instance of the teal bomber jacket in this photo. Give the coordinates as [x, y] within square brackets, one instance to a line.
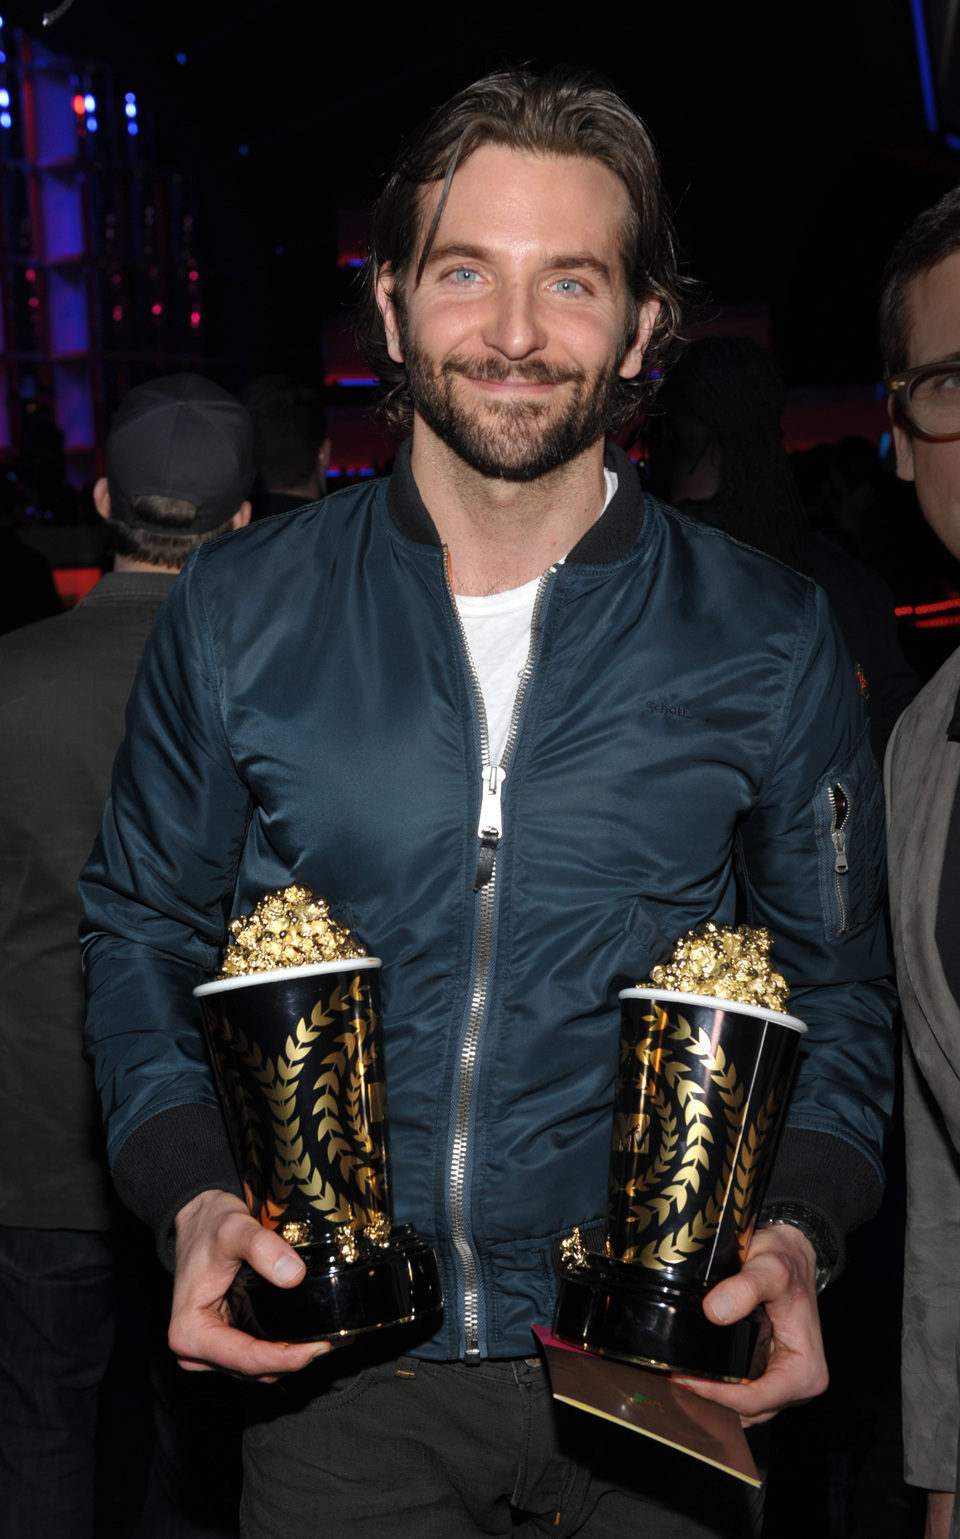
[689, 739]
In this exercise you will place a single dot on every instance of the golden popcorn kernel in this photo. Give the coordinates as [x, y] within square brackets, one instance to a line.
[286, 929]
[725, 964]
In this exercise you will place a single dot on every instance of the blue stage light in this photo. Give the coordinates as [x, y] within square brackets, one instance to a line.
[91, 125]
[6, 121]
[90, 103]
[4, 98]
[924, 65]
[181, 58]
[131, 109]
[132, 129]
[130, 96]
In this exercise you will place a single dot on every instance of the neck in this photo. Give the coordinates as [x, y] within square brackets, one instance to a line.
[127, 564]
[308, 490]
[501, 534]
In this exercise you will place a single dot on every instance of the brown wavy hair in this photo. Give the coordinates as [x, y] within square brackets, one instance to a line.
[564, 112]
[169, 542]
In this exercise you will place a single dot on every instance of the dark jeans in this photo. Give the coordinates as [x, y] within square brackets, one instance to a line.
[88, 1386]
[56, 1336]
[421, 1450]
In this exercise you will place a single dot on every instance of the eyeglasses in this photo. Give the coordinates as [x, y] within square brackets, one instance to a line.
[929, 398]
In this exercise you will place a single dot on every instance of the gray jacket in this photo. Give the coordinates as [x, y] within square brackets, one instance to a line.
[922, 772]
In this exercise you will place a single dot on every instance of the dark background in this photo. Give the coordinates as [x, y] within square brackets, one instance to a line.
[793, 142]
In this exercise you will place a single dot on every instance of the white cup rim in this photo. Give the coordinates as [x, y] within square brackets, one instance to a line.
[712, 1002]
[278, 974]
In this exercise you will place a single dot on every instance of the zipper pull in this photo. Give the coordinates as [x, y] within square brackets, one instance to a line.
[840, 864]
[841, 807]
[490, 827]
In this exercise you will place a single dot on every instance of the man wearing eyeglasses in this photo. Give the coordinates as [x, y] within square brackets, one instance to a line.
[920, 336]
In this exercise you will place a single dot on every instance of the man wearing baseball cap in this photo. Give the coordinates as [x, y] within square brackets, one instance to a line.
[179, 467]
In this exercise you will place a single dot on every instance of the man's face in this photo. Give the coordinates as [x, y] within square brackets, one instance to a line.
[933, 311]
[522, 321]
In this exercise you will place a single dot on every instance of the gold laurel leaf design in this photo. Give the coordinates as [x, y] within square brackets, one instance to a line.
[292, 1165]
[354, 1110]
[675, 1188]
[748, 1158]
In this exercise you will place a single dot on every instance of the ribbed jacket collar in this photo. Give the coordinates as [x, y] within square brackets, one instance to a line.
[613, 534]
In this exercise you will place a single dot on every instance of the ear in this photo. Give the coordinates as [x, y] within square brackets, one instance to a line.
[646, 320]
[101, 497]
[241, 518]
[385, 285]
[323, 459]
[902, 442]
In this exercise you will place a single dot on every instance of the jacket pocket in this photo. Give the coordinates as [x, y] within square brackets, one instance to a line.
[848, 814]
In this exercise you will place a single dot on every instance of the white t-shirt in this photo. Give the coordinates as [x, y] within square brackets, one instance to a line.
[497, 628]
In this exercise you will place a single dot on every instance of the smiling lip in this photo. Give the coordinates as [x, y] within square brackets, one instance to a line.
[497, 376]
[532, 387]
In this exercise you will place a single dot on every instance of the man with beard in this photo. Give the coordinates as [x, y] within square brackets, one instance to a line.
[523, 727]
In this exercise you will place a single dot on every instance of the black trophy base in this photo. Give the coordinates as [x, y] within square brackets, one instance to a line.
[617, 1309]
[391, 1284]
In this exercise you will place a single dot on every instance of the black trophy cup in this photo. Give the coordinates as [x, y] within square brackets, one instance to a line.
[298, 1055]
[701, 1086]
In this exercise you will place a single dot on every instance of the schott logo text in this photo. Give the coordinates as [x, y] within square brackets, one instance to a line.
[667, 710]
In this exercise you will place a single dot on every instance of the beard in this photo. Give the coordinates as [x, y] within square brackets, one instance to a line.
[512, 440]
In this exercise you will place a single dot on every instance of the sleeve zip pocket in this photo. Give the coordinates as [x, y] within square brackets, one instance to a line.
[839, 814]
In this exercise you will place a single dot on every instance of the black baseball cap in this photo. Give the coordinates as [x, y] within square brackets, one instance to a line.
[180, 436]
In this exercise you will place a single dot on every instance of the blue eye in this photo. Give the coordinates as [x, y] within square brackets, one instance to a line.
[464, 275]
[567, 286]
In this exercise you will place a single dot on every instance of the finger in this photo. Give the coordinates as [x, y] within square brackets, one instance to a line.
[270, 1255]
[201, 1343]
[765, 1278]
[782, 1385]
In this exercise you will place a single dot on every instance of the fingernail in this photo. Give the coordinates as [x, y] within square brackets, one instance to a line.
[321, 1351]
[286, 1268]
[721, 1307]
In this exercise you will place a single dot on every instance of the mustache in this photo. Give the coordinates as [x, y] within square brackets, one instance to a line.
[533, 372]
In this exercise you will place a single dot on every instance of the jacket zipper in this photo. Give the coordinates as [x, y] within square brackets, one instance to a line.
[489, 834]
[839, 813]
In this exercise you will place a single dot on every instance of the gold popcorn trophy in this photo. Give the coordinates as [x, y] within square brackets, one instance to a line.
[294, 1027]
[706, 1062]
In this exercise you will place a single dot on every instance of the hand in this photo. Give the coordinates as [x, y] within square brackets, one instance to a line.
[939, 1513]
[779, 1272]
[215, 1232]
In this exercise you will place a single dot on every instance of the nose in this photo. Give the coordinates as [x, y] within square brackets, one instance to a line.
[514, 325]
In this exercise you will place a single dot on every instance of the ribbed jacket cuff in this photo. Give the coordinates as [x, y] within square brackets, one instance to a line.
[828, 1176]
[168, 1161]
